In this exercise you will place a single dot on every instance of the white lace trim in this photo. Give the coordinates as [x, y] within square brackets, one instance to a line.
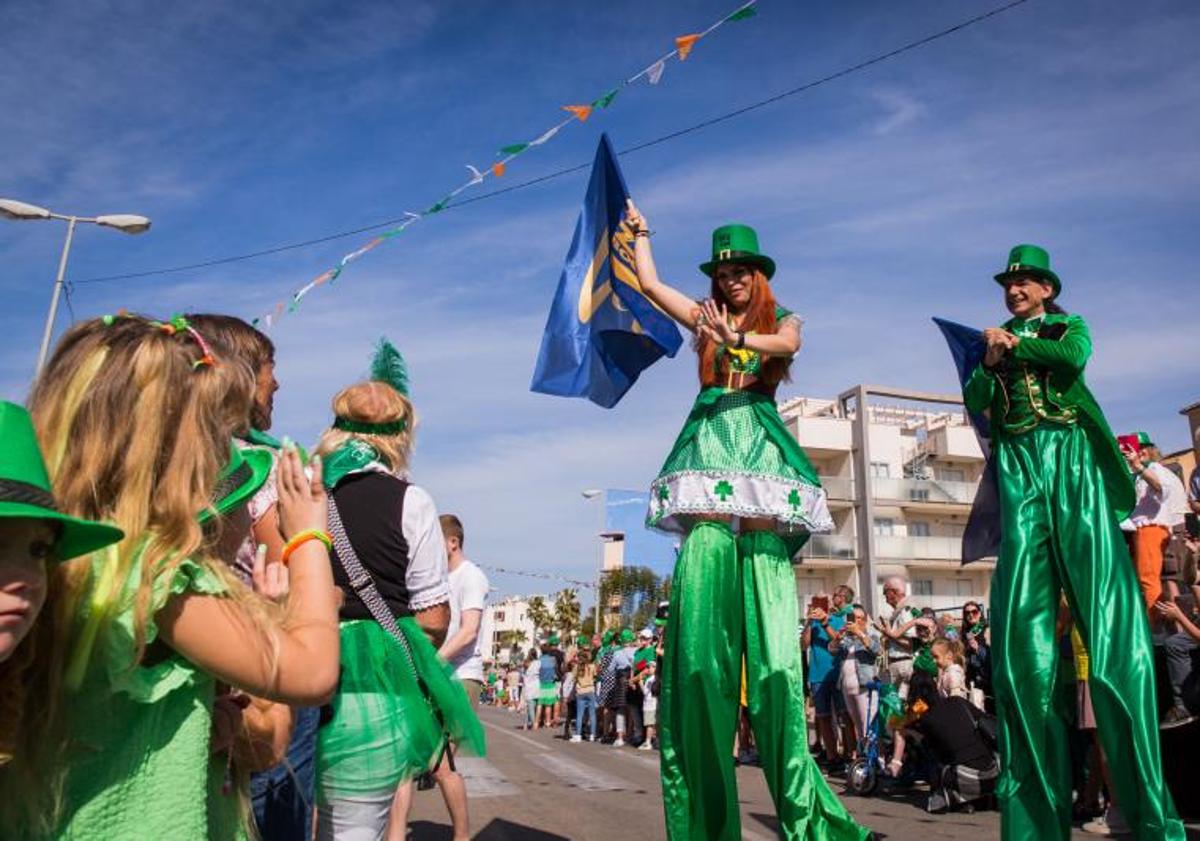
[795, 506]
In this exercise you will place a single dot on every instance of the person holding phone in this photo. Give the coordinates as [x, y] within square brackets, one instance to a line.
[826, 619]
[1063, 488]
[1161, 504]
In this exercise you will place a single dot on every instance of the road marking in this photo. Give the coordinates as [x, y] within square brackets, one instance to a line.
[648, 761]
[581, 776]
[484, 779]
[506, 731]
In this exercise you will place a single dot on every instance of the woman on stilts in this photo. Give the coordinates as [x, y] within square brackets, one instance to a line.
[1063, 488]
[742, 490]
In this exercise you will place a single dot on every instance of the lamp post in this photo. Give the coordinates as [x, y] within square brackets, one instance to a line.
[596, 493]
[21, 211]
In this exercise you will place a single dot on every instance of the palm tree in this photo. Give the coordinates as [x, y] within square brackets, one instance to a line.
[630, 595]
[511, 642]
[539, 614]
[566, 611]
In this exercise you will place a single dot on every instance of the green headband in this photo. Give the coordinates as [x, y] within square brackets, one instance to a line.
[390, 428]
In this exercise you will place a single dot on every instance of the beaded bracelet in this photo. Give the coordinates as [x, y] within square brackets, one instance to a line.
[300, 538]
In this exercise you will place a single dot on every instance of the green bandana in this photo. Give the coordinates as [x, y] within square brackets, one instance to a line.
[352, 456]
[262, 439]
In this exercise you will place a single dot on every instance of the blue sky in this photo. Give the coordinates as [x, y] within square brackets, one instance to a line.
[886, 197]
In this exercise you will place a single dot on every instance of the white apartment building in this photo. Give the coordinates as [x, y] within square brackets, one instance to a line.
[510, 614]
[900, 479]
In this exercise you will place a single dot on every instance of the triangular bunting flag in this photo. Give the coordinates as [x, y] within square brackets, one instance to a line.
[742, 14]
[581, 112]
[498, 169]
[684, 44]
[606, 100]
[514, 148]
[439, 207]
[655, 72]
[476, 175]
[545, 136]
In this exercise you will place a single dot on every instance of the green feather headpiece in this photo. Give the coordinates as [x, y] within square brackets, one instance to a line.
[387, 366]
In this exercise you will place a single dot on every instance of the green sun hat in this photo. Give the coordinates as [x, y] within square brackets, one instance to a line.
[582, 640]
[552, 639]
[626, 635]
[246, 472]
[737, 244]
[1030, 260]
[25, 489]
[607, 638]
[924, 662]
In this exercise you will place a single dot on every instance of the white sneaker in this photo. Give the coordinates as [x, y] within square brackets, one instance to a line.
[646, 745]
[592, 737]
[1110, 823]
[576, 738]
[619, 743]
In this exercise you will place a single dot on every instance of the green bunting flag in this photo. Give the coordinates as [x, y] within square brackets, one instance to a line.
[606, 100]
[514, 149]
[742, 14]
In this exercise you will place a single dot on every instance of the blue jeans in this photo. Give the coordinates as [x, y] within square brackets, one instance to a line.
[585, 702]
[282, 797]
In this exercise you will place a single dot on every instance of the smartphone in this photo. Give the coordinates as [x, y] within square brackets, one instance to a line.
[1128, 443]
[821, 602]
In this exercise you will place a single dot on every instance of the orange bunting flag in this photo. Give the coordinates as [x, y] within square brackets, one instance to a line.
[498, 169]
[684, 44]
[582, 112]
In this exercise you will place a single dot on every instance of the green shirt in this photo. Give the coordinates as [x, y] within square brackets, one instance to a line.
[138, 761]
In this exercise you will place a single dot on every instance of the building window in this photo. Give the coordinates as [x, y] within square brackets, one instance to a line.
[954, 474]
[885, 526]
[499, 615]
[918, 529]
[881, 470]
[922, 587]
[964, 587]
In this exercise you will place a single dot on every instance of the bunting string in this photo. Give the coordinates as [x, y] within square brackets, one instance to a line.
[578, 112]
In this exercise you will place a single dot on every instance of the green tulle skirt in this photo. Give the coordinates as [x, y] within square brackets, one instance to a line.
[383, 729]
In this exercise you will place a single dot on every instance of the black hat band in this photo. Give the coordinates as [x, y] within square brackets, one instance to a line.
[228, 484]
[14, 490]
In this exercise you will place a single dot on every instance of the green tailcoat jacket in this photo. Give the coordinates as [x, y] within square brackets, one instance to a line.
[1048, 369]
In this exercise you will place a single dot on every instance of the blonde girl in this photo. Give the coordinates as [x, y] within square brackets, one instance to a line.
[952, 676]
[397, 702]
[133, 416]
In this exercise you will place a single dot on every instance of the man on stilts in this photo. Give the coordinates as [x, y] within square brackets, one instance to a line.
[1063, 488]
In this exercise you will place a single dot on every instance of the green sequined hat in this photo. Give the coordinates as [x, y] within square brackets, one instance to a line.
[247, 471]
[737, 244]
[1030, 260]
[924, 662]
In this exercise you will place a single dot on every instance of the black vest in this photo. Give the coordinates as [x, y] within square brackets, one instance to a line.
[372, 509]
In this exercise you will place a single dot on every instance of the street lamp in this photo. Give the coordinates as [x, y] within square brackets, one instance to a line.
[20, 211]
[596, 493]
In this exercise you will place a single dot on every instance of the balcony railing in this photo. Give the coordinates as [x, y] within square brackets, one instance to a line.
[830, 547]
[838, 487]
[924, 490]
[919, 548]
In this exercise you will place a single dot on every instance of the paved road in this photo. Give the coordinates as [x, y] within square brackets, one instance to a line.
[534, 786]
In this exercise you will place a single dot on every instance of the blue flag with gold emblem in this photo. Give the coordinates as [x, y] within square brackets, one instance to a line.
[602, 331]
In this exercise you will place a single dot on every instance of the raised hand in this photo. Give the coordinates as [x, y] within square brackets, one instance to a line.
[717, 319]
[634, 217]
[270, 577]
[302, 501]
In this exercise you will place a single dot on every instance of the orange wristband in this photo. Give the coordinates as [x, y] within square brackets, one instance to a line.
[300, 538]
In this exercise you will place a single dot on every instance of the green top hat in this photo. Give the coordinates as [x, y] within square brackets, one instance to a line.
[25, 489]
[737, 244]
[626, 635]
[241, 479]
[1030, 260]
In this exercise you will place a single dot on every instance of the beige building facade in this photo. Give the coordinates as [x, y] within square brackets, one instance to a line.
[900, 478]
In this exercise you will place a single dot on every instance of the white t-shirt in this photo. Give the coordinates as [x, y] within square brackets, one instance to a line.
[649, 699]
[468, 591]
[1159, 509]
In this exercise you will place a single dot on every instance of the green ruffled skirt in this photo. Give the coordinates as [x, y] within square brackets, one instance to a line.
[383, 730]
[735, 457]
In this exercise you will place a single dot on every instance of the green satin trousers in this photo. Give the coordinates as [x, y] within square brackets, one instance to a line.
[1060, 536]
[733, 598]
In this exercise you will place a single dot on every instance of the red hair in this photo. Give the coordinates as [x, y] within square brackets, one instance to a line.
[759, 318]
